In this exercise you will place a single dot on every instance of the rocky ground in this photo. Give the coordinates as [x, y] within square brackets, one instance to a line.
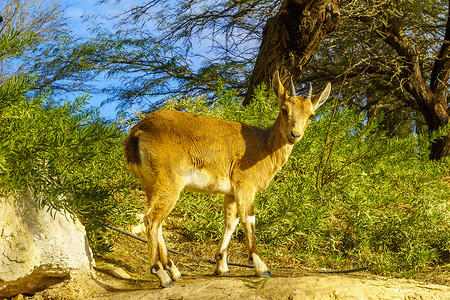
[245, 286]
[123, 274]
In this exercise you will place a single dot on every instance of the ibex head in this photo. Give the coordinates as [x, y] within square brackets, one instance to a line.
[296, 112]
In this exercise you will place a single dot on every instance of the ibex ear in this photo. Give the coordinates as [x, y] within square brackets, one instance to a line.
[320, 99]
[278, 88]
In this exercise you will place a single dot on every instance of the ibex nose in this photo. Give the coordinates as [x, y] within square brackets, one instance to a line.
[294, 136]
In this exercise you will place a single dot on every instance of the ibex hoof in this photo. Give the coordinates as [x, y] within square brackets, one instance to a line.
[167, 285]
[265, 274]
[224, 274]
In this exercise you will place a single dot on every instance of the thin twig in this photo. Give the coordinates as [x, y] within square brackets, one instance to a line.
[329, 126]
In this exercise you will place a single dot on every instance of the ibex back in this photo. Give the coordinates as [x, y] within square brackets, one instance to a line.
[171, 151]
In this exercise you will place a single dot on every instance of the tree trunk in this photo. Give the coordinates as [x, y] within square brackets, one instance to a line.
[432, 101]
[291, 38]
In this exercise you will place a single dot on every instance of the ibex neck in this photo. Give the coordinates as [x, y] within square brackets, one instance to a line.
[280, 149]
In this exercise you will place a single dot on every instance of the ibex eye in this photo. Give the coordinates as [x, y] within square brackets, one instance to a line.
[284, 111]
[311, 117]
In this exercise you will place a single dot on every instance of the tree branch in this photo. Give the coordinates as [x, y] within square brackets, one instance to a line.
[412, 77]
[291, 38]
[432, 107]
[440, 73]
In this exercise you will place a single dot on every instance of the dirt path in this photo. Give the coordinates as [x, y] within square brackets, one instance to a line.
[287, 283]
[307, 286]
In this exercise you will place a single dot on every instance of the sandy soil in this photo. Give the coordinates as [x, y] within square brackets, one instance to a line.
[245, 286]
[294, 282]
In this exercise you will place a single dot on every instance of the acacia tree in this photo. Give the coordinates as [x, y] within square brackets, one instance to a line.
[25, 24]
[395, 58]
[431, 98]
[161, 49]
[291, 38]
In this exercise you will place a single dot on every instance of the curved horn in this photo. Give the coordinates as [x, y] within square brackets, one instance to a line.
[292, 88]
[309, 92]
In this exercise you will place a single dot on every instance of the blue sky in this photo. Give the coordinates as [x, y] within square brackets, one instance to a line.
[77, 12]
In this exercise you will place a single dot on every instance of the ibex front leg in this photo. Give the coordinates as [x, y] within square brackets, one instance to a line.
[231, 220]
[245, 208]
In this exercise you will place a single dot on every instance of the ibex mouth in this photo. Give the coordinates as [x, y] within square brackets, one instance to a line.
[293, 138]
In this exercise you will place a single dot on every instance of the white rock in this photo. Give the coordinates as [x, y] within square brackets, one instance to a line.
[120, 273]
[38, 250]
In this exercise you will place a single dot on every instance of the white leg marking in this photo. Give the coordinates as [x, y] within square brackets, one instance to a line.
[163, 277]
[174, 272]
[227, 236]
[260, 266]
[222, 266]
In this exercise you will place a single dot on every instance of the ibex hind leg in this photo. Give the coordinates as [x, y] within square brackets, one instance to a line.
[161, 203]
[156, 265]
[166, 261]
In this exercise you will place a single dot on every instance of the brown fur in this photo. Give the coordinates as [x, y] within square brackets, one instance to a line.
[171, 150]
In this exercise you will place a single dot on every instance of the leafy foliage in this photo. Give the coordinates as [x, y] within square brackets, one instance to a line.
[349, 196]
[62, 153]
[25, 25]
[66, 156]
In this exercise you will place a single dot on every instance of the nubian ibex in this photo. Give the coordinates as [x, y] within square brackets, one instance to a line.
[171, 150]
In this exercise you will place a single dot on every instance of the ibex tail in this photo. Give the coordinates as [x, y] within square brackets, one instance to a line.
[131, 146]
